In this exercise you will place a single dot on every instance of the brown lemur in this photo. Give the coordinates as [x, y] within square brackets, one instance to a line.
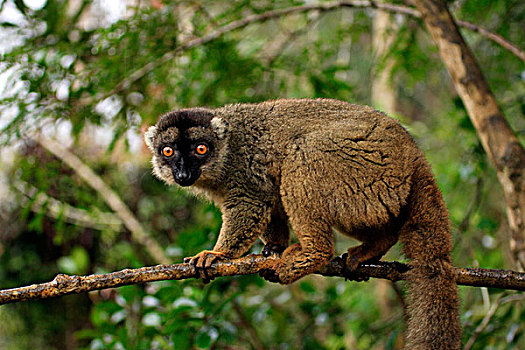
[317, 165]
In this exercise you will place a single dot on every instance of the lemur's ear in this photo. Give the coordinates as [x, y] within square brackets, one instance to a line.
[219, 127]
[149, 135]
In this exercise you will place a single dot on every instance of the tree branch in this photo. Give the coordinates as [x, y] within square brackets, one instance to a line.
[498, 39]
[57, 209]
[323, 7]
[394, 271]
[246, 324]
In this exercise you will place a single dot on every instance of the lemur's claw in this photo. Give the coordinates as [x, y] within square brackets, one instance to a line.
[203, 261]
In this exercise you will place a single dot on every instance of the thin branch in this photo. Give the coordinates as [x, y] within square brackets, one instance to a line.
[208, 16]
[110, 197]
[57, 209]
[323, 7]
[474, 205]
[498, 39]
[246, 324]
[394, 271]
[273, 51]
[499, 301]
[79, 12]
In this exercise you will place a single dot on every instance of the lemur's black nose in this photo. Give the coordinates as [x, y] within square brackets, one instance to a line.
[182, 176]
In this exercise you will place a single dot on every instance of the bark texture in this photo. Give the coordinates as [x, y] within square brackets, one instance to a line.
[394, 271]
[501, 144]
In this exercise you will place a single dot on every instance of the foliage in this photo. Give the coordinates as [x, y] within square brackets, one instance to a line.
[67, 69]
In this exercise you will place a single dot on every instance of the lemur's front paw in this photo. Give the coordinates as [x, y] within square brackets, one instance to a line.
[272, 248]
[203, 261]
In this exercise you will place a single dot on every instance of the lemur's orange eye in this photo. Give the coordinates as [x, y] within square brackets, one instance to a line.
[167, 151]
[201, 149]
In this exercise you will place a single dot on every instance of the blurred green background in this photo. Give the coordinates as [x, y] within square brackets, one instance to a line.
[71, 70]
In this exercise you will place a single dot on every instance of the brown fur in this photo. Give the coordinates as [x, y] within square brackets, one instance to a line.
[324, 164]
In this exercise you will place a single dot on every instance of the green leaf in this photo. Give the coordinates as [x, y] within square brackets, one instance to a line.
[76, 263]
[203, 340]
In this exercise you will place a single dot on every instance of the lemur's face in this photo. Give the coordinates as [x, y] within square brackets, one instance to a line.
[186, 145]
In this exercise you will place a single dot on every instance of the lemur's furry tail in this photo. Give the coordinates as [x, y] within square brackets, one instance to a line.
[433, 306]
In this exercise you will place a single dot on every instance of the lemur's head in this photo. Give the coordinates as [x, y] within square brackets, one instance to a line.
[187, 146]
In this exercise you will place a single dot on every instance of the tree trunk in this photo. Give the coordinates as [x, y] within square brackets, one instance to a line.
[384, 33]
[497, 138]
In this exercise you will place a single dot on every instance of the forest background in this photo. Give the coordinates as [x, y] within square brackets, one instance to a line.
[94, 74]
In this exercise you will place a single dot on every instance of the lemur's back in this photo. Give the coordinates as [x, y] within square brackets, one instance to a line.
[287, 120]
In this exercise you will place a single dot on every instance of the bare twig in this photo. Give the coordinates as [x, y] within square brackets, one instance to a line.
[322, 7]
[499, 301]
[394, 271]
[109, 196]
[498, 39]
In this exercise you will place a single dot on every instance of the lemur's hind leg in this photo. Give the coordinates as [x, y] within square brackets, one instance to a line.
[370, 251]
